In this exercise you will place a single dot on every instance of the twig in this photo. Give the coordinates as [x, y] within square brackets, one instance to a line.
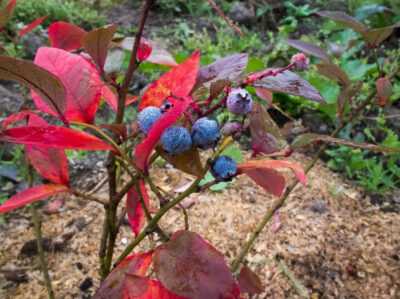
[88, 197]
[298, 286]
[194, 187]
[225, 17]
[42, 258]
[39, 241]
[133, 63]
[278, 203]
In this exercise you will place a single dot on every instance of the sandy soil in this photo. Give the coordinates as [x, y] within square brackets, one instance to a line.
[335, 242]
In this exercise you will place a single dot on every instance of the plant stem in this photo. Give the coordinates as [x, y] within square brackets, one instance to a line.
[42, 258]
[133, 63]
[110, 226]
[151, 225]
[37, 225]
[278, 203]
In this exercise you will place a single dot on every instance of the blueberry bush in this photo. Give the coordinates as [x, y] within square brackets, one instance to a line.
[179, 119]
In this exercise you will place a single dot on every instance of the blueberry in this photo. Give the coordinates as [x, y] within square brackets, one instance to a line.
[205, 133]
[176, 140]
[239, 101]
[147, 117]
[224, 168]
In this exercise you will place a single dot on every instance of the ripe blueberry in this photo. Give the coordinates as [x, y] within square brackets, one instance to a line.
[176, 140]
[205, 133]
[224, 168]
[239, 101]
[147, 117]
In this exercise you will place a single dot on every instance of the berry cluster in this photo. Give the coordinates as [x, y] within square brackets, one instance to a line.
[204, 134]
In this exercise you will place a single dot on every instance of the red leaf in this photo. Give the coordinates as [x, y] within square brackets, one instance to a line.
[31, 195]
[16, 117]
[271, 180]
[158, 55]
[383, 90]
[120, 282]
[249, 282]
[179, 82]
[265, 95]
[97, 42]
[54, 137]
[144, 50]
[66, 36]
[50, 163]
[134, 208]
[45, 83]
[81, 80]
[7, 12]
[190, 267]
[264, 173]
[144, 149]
[31, 26]
[11, 5]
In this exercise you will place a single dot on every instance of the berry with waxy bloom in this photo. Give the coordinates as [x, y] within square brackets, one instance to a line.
[176, 140]
[231, 128]
[205, 133]
[300, 61]
[147, 117]
[239, 101]
[224, 168]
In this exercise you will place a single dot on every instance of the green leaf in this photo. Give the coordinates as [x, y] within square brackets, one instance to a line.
[358, 69]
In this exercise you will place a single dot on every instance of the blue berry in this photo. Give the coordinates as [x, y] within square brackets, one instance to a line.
[147, 117]
[205, 133]
[224, 168]
[239, 101]
[176, 140]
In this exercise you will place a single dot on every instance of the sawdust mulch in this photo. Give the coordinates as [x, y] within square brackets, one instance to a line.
[335, 242]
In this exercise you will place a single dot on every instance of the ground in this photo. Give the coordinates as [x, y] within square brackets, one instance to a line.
[335, 242]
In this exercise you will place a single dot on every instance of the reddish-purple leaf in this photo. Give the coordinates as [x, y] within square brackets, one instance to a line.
[144, 149]
[54, 137]
[277, 164]
[97, 42]
[50, 163]
[188, 162]
[265, 134]
[308, 49]
[265, 95]
[158, 54]
[383, 90]
[334, 72]
[134, 207]
[376, 36]
[31, 26]
[269, 179]
[144, 50]
[227, 68]
[344, 19]
[291, 83]
[66, 36]
[7, 12]
[81, 80]
[249, 282]
[50, 88]
[16, 117]
[190, 267]
[179, 82]
[31, 195]
[120, 283]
